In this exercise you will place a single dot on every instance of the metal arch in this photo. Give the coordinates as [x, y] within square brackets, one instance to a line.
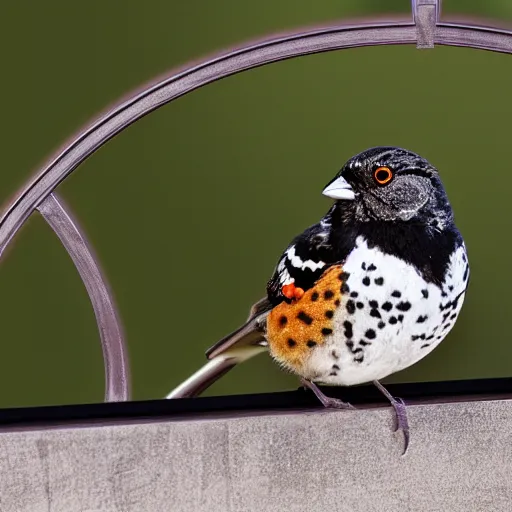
[425, 32]
[293, 45]
[93, 137]
[115, 357]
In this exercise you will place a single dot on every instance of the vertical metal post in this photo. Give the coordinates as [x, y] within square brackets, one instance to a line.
[425, 14]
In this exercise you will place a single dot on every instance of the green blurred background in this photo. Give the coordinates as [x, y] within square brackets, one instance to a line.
[189, 208]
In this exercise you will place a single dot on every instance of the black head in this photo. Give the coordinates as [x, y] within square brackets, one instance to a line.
[392, 185]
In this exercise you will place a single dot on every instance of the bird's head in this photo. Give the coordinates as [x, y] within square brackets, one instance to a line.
[391, 184]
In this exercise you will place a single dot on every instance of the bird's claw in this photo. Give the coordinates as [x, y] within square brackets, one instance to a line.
[327, 401]
[336, 403]
[402, 423]
[398, 405]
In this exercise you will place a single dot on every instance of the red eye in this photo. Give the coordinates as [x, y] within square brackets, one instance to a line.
[383, 175]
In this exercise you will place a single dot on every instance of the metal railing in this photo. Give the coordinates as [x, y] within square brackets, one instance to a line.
[424, 29]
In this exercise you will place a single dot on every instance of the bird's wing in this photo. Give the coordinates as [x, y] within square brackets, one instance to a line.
[246, 342]
[249, 334]
[303, 262]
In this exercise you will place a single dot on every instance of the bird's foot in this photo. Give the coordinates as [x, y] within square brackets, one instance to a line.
[402, 423]
[327, 401]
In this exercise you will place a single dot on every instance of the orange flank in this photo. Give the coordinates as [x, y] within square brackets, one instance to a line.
[294, 329]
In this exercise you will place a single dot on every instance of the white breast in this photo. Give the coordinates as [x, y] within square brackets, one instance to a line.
[390, 319]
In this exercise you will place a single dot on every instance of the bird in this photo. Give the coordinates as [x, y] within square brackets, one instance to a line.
[366, 292]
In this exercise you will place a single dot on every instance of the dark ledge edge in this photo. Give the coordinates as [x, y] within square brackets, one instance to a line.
[238, 405]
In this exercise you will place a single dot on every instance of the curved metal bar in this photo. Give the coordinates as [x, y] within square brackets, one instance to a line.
[473, 36]
[177, 85]
[115, 357]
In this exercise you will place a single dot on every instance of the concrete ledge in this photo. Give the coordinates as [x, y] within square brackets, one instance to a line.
[460, 459]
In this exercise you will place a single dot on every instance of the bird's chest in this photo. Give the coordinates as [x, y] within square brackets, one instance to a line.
[385, 317]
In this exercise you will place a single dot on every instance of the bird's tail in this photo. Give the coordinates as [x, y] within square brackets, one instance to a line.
[237, 347]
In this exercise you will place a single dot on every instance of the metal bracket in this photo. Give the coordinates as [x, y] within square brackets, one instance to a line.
[425, 14]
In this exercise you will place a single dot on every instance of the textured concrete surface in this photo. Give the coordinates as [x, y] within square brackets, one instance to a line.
[459, 460]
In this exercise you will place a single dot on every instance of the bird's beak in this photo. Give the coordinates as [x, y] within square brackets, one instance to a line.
[339, 189]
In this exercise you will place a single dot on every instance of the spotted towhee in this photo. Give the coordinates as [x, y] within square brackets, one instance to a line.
[370, 290]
